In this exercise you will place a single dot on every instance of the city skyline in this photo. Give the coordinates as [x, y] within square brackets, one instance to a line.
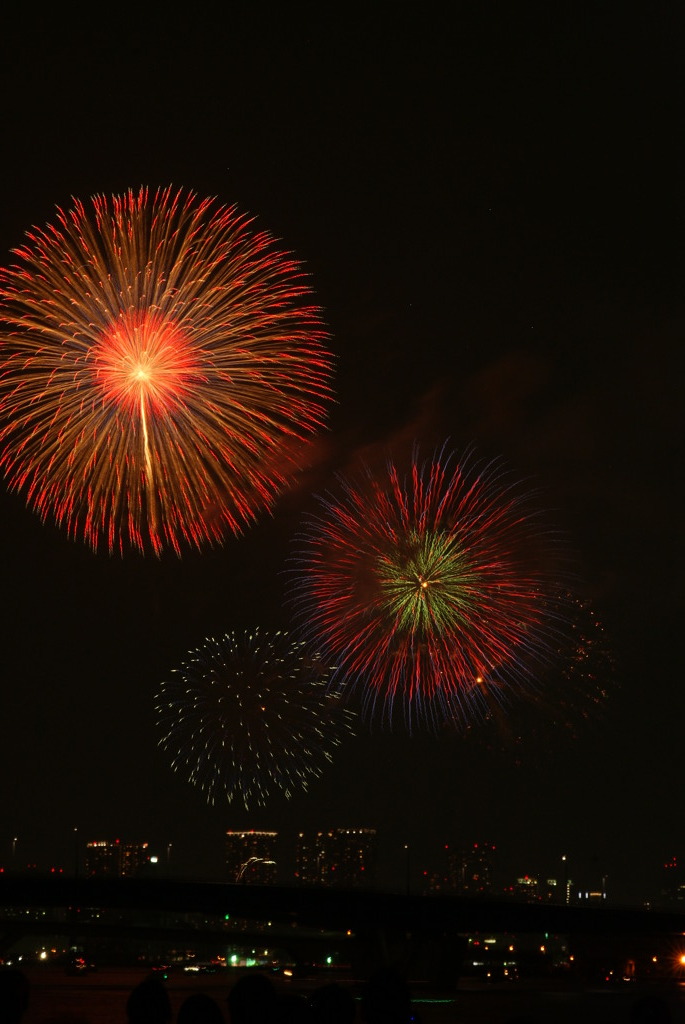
[467, 867]
[487, 207]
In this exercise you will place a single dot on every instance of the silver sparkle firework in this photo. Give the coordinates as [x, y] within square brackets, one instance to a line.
[250, 715]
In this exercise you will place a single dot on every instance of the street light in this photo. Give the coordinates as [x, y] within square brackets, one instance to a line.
[566, 879]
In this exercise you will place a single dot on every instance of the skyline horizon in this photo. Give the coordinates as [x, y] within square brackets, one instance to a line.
[394, 862]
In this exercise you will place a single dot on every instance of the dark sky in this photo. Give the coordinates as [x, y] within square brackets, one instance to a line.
[490, 207]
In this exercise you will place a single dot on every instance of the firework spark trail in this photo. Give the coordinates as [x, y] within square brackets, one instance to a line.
[569, 702]
[429, 590]
[161, 365]
[250, 715]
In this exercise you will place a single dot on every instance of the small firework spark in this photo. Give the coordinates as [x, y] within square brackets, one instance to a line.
[250, 715]
[571, 699]
[162, 368]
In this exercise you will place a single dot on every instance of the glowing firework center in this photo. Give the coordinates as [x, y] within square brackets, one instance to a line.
[426, 583]
[144, 360]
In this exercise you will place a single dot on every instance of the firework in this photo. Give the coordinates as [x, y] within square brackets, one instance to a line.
[581, 683]
[161, 368]
[248, 715]
[570, 699]
[430, 588]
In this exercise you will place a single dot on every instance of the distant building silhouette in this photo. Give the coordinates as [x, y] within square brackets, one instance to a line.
[465, 870]
[112, 858]
[471, 869]
[440, 874]
[527, 888]
[343, 858]
[672, 883]
[596, 896]
[251, 857]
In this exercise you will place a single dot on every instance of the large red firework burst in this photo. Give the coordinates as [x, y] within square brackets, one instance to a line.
[430, 589]
[161, 366]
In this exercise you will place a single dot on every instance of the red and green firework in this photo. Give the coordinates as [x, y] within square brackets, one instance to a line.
[161, 368]
[247, 716]
[429, 589]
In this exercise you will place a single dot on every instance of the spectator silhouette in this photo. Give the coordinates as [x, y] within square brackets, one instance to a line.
[293, 1008]
[14, 995]
[253, 1000]
[650, 1009]
[333, 1004]
[386, 999]
[64, 1018]
[199, 1009]
[149, 1003]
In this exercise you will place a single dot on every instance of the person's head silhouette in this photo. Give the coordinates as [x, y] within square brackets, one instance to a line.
[252, 1000]
[149, 1003]
[14, 995]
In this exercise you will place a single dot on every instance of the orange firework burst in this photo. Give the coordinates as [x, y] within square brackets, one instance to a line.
[162, 364]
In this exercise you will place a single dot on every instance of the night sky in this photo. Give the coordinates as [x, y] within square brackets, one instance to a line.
[489, 206]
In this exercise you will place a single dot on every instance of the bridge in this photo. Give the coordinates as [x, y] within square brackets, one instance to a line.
[369, 926]
[333, 908]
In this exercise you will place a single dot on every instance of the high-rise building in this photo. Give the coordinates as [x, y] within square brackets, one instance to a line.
[251, 857]
[527, 888]
[672, 883]
[471, 869]
[343, 858]
[111, 858]
[439, 874]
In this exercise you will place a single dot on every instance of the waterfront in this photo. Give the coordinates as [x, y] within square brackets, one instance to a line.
[100, 998]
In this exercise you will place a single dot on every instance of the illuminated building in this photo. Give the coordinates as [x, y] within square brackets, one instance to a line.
[250, 857]
[527, 888]
[593, 896]
[440, 877]
[343, 858]
[110, 858]
[470, 869]
[672, 889]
